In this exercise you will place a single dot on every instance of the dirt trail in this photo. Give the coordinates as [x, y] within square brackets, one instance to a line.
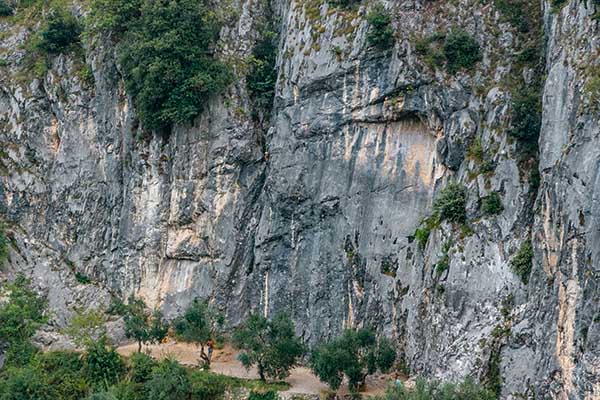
[225, 362]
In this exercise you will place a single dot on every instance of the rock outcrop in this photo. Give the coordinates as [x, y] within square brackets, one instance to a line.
[316, 215]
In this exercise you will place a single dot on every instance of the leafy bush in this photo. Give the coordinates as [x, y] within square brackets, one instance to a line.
[22, 314]
[20, 353]
[86, 327]
[59, 33]
[141, 366]
[429, 49]
[515, 12]
[444, 262]
[557, 4]
[422, 235]
[5, 9]
[592, 88]
[103, 365]
[345, 3]
[268, 395]
[434, 390]
[492, 204]
[355, 354]
[24, 384]
[167, 56]
[381, 33]
[169, 381]
[82, 278]
[63, 371]
[461, 51]
[207, 386]
[526, 117]
[262, 77]
[270, 345]
[3, 244]
[522, 262]
[450, 203]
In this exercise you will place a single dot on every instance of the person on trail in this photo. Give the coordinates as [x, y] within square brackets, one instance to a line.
[210, 344]
[397, 380]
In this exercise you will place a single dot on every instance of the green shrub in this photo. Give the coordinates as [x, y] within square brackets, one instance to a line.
[103, 365]
[450, 203]
[59, 33]
[169, 381]
[526, 117]
[82, 278]
[3, 244]
[263, 74]
[381, 33]
[444, 262]
[461, 51]
[5, 9]
[492, 204]
[267, 395]
[592, 89]
[429, 49]
[434, 390]
[20, 353]
[22, 314]
[140, 367]
[422, 236]
[63, 371]
[208, 386]
[167, 56]
[515, 12]
[558, 4]
[25, 384]
[344, 3]
[522, 262]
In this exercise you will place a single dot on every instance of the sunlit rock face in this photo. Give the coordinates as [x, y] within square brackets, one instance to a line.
[315, 214]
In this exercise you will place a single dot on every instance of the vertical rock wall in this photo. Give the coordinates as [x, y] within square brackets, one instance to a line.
[361, 140]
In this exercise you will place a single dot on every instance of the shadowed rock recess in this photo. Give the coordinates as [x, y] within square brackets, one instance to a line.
[360, 141]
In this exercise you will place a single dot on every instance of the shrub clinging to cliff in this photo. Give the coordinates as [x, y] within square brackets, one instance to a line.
[450, 203]
[522, 262]
[381, 32]
[167, 56]
[461, 51]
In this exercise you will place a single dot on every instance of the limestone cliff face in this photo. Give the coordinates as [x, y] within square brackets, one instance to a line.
[360, 141]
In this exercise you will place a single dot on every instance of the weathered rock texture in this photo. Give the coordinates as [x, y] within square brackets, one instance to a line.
[360, 141]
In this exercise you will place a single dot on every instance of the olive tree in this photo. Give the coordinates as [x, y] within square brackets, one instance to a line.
[270, 345]
[198, 324]
[354, 354]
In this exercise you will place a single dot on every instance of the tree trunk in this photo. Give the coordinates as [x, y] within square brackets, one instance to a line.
[261, 372]
[139, 346]
[204, 356]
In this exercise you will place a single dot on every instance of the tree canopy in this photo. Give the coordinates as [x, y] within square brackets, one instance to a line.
[270, 345]
[354, 354]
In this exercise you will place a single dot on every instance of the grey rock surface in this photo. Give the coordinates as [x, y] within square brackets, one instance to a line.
[360, 142]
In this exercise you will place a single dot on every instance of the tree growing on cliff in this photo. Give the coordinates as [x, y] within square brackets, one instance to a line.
[381, 33]
[198, 324]
[354, 354]
[270, 345]
[142, 325]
